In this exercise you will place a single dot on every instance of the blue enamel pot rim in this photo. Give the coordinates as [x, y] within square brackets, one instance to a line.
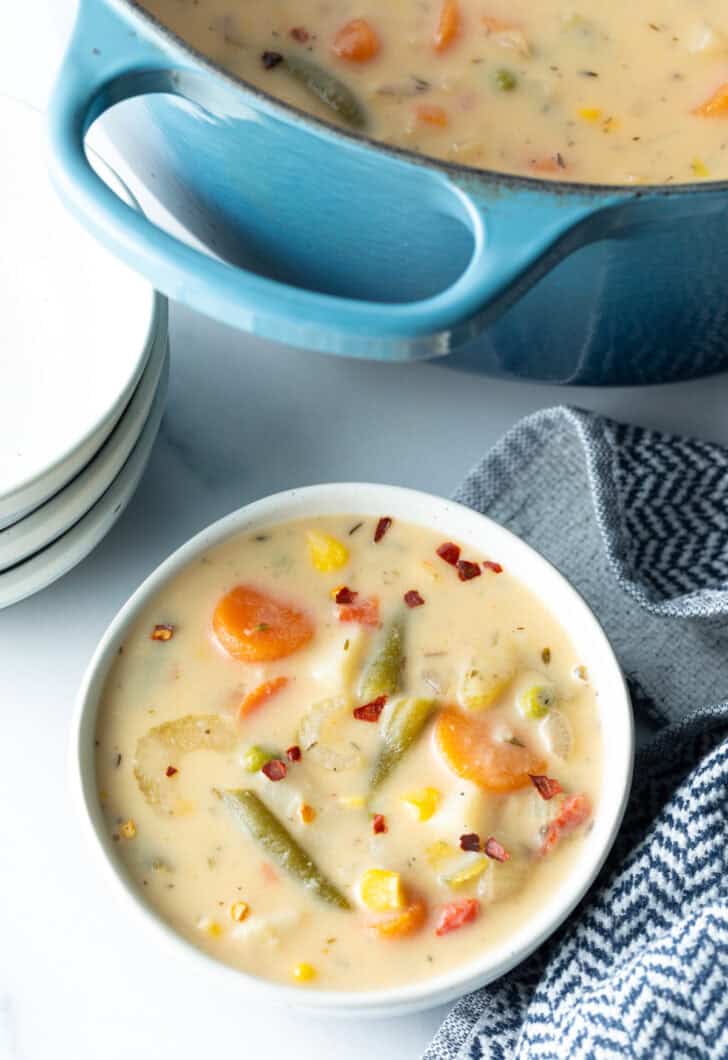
[520, 227]
[281, 109]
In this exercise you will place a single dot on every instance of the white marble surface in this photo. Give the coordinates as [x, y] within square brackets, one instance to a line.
[244, 419]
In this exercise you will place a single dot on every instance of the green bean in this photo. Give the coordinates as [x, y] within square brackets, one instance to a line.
[279, 844]
[332, 92]
[404, 725]
[383, 674]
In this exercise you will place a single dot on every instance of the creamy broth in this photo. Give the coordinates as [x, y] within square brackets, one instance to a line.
[488, 685]
[585, 91]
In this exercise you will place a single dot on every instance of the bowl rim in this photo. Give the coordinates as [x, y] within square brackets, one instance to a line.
[321, 127]
[369, 499]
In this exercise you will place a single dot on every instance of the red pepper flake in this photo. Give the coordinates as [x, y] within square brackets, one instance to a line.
[300, 34]
[379, 825]
[271, 59]
[489, 564]
[370, 711]
[345, 595]
[382, 526]
[162, 632]
[470, 841]
[545, 786]
[293, 754]
[468, 570]
[170, 771]
[275, 769]
[449, 552]
[413, 599]
[495, 850]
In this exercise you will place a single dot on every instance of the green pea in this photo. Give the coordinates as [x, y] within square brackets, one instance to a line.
[254, 758]
[505, 80]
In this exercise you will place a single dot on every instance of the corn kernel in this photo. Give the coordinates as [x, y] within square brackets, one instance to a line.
[239, 911]
[699, 169]
[254, 758]
[128, 829]
[210, 927]
[592, 114]
[353, 802]
[326, 552]
[424, 802]
[438, 852]
[381, 890]
[304, 972]
[306, 813]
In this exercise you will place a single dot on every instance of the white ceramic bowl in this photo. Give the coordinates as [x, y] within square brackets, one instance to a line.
[51, 563]
[45, 524]
[474, 530]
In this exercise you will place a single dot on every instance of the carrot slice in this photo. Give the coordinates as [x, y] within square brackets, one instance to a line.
[716, 106]
[468, 746]
[365, 612]
[431, 114]
[254, 627]
[455, 914]
[448, 25]
[261, 695]
[405, 923]
[356, 42]
[575, 810]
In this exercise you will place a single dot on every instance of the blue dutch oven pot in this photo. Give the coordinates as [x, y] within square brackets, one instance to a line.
[328, 241]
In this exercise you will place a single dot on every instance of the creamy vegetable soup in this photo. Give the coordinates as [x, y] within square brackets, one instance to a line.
[346, 753]
[584, 90]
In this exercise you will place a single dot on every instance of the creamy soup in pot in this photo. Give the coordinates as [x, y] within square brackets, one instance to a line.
[345, 753]
[578, 90]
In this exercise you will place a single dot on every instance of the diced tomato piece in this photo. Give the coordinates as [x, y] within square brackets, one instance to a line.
[574, 811]
[455, 915]
[365, 612]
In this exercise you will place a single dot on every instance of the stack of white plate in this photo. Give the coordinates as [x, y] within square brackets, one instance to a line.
[83, 373]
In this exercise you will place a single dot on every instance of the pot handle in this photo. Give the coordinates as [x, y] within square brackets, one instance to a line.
[518, 236]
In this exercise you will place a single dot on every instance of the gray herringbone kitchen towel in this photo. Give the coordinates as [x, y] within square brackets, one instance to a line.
[638, 521]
